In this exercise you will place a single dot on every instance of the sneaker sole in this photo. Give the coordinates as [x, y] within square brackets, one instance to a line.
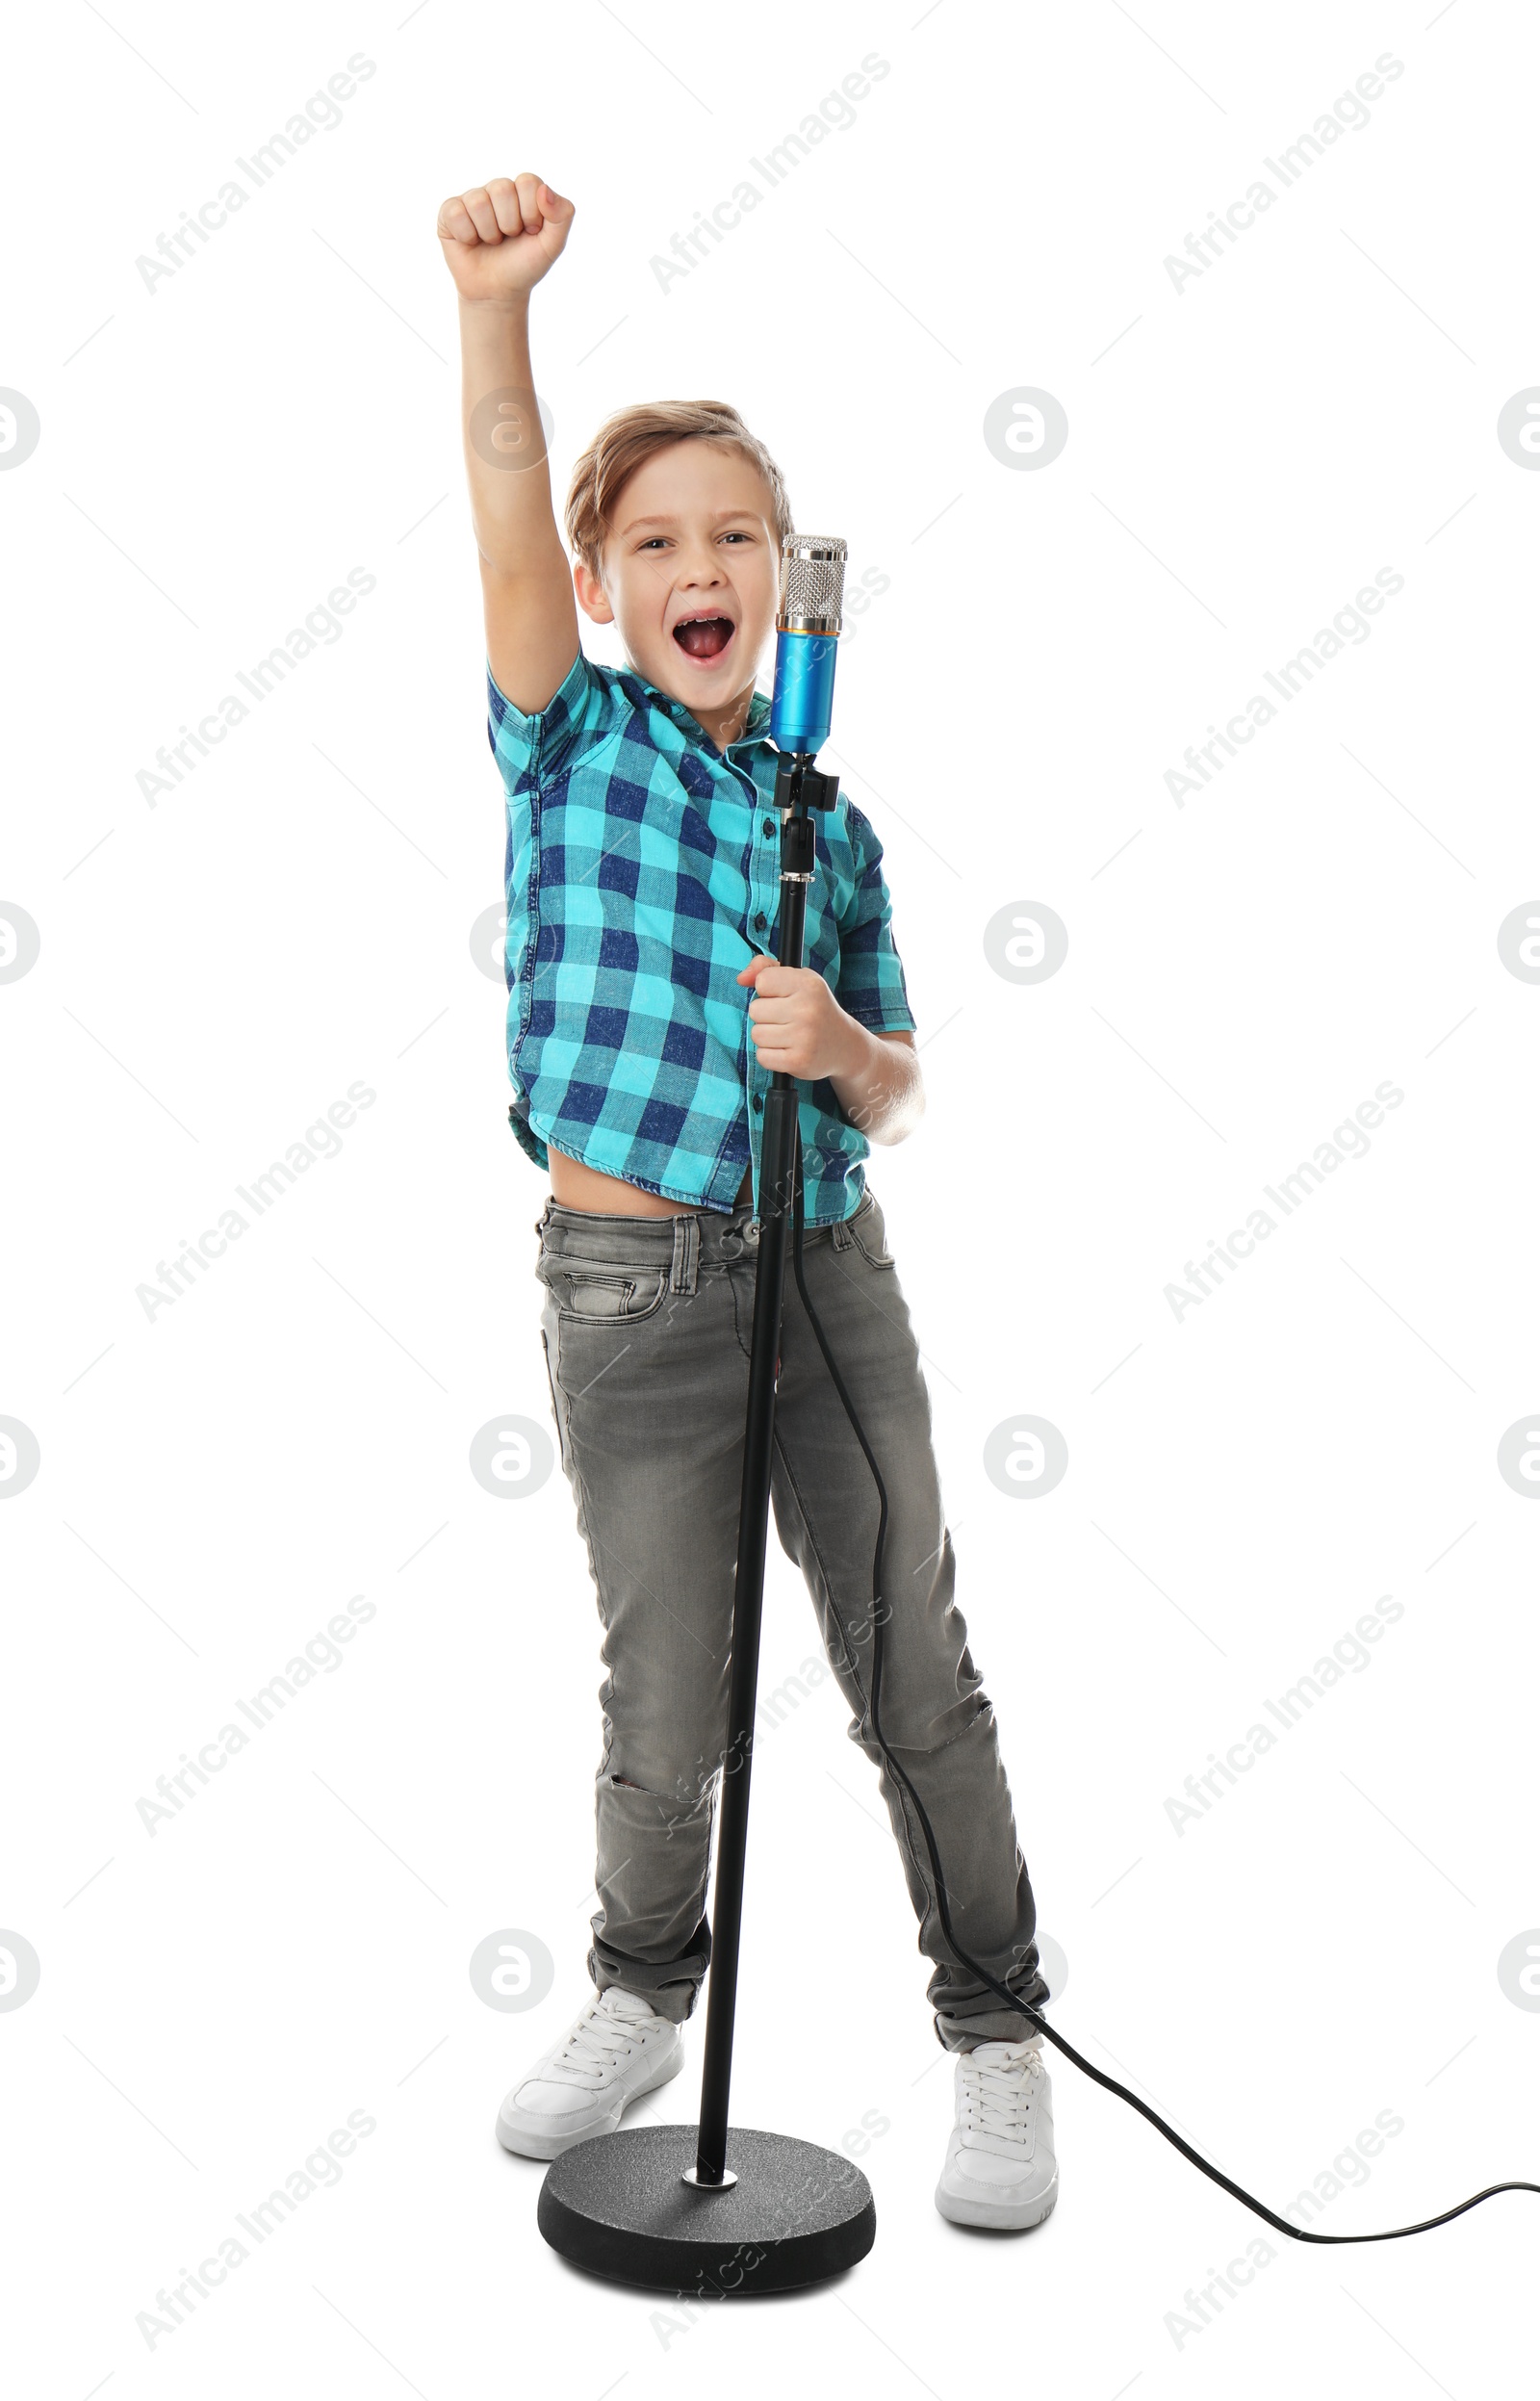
[998, 2215]
[531, 2143]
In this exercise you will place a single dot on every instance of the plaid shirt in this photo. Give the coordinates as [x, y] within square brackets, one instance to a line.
[643, 871]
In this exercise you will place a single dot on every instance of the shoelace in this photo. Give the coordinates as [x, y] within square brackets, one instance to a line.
[598, 2044]
[999, 2099]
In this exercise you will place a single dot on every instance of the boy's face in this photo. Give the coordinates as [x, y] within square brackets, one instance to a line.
[691, 574]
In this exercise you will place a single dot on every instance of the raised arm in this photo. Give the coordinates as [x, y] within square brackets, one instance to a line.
[497, 241]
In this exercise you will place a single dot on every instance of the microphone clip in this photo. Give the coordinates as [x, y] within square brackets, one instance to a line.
[799, 783]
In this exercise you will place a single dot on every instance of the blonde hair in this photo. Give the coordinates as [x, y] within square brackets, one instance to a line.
[631, 437]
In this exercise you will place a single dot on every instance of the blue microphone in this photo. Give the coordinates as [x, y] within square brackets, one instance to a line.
[808, 623]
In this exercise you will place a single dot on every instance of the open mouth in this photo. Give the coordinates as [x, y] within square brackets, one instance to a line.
[703, 637]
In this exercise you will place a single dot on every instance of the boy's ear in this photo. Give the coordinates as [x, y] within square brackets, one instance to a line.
[592, 598]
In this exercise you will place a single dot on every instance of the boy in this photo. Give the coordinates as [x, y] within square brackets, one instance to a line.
[646, 1017]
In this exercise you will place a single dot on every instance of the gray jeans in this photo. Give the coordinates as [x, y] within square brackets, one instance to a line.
[645, 1327]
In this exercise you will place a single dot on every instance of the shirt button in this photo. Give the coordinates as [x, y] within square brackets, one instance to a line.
[758, 1104]
[759, 918]
[769, 825]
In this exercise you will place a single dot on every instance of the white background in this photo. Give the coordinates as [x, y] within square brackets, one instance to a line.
[1245, 454]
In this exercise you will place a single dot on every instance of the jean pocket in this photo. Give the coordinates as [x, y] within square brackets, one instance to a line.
[869, 1234]
[595, 1293]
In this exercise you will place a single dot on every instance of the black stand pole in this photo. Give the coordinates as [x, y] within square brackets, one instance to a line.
[707, 2212]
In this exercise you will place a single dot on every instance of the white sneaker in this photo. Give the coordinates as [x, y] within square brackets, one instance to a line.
[617, 2048]
[1000, 2167]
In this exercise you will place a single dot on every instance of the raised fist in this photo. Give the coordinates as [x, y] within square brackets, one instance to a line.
[501, 237]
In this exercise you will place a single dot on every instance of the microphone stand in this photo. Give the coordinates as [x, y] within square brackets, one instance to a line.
[708, 2211]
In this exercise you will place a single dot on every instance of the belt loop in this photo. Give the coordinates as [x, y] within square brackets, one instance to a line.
[686, 1251]
[842, 1234]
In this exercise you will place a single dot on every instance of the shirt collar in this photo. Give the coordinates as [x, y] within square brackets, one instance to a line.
[756, 725]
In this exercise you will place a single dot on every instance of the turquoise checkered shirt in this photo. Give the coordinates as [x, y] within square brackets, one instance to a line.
[643, 871]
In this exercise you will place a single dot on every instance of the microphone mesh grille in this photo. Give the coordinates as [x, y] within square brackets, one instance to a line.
[812, 576]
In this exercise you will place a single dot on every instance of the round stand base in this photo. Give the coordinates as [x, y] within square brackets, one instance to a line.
[618, 2206]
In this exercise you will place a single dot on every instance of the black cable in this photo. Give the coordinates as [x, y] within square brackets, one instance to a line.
[1108, 2084]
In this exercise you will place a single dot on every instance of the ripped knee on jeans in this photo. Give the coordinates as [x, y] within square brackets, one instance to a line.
[689, 1793]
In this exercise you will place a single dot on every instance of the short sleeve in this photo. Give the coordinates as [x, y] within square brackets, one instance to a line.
[532, 750]
[871, 987]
